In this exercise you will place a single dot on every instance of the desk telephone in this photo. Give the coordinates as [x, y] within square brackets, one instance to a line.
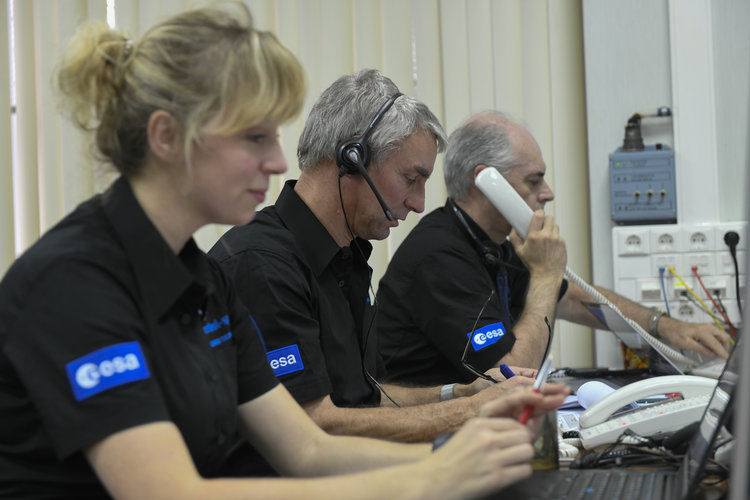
[602, 423]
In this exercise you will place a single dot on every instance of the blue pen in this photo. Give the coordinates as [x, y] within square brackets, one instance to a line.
[507, 372]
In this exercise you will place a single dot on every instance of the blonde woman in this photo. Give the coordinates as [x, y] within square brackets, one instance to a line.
[128, 367]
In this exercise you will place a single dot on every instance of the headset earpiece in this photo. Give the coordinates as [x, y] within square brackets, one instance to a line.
[353, 154]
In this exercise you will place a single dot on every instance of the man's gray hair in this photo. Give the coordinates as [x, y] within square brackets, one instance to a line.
[346, 108]
[482, 140]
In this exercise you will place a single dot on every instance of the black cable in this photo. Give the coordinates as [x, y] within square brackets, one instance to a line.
[618, 455]
[731, 238]
[374, 304]
[723, 309]
[367, 337]
[464, 361]
[720, 303]
[590, 458]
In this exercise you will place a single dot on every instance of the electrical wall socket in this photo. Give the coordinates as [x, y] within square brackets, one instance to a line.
[665, 242]
[686, 312]
[699, 238]
[698, 241]
[665, 239]
[738, 227]
[634, 242]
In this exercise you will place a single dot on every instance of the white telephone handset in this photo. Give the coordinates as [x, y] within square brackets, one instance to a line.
[506, 199]
[600, 424]
[509, 203]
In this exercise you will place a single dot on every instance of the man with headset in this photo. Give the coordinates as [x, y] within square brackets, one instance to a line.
[474, 281]
[309, 253]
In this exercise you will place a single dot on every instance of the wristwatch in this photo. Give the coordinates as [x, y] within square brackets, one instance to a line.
[446, 392]
[653, 321]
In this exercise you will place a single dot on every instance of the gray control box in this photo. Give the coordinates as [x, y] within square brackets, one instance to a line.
[642, 186]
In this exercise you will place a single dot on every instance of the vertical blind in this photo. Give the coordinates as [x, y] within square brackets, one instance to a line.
[458, 56]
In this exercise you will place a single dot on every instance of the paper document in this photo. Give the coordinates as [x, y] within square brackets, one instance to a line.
[586, 396]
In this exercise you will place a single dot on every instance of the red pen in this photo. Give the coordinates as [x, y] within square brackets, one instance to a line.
[541, 376]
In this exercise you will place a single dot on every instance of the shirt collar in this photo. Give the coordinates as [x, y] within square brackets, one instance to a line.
[319, 247]
[162, 276]
[478, 231]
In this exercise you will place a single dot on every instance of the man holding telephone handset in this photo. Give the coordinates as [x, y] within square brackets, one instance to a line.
[430, 300]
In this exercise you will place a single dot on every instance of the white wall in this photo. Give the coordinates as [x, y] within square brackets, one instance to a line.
[633, 53]
[732, 79]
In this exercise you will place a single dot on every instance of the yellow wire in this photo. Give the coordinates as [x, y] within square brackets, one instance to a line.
[679, 278]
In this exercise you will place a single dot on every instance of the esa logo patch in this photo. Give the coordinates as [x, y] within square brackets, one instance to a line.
[487, 335]
[106, 368]
[215, 329]
[285, 360]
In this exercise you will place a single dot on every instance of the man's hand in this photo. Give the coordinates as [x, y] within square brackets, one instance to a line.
[543, 251]
[503, 389]
[481, 384]
[524, 372]
[513, 403]
[703, 338]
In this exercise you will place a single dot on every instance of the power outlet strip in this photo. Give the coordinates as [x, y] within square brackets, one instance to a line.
[640, 251]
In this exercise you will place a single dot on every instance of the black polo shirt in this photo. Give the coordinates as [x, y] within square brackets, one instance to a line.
[430, 297]
[314, 314]
[102, 328]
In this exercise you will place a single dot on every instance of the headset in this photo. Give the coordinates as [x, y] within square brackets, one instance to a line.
[353, 155]
[492, 258]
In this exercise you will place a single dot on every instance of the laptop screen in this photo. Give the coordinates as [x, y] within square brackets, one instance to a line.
[739, 481]
[716, 415]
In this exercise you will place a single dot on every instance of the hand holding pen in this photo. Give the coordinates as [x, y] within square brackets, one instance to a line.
[541, 377]
[509, 372]
[506, 371]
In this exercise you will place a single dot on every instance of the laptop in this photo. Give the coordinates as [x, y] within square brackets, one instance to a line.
[642, 484]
